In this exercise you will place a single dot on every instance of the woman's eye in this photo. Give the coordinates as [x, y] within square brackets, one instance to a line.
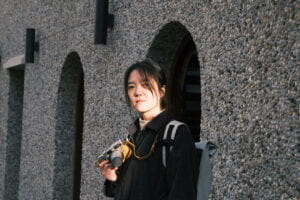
[130, 87]
[146, 84]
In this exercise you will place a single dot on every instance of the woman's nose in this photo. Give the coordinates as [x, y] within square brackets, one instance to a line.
[138, 90]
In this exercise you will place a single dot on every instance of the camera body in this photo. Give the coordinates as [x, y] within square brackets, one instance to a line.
[117, 153]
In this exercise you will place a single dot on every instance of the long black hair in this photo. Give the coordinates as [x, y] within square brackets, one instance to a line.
[149, 70]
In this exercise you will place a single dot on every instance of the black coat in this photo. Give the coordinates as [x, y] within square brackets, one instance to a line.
[148, 179]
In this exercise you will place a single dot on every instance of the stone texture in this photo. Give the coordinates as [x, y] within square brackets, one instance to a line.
[249, 64]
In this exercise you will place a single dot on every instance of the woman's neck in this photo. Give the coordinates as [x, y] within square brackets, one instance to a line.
[147, 116]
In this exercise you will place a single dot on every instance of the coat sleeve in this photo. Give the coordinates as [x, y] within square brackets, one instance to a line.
[182, 168]
[109, 188]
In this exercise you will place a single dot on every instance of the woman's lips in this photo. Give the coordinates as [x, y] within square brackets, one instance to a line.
[139, 101]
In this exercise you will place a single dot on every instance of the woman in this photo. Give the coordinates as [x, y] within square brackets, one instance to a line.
[147, 178]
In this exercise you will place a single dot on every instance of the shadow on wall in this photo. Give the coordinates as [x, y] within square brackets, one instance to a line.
[68, 136]
[14, 133]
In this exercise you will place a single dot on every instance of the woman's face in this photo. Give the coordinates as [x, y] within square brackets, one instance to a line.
[144, 101]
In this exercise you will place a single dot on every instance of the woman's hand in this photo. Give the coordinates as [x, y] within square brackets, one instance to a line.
[108, 171]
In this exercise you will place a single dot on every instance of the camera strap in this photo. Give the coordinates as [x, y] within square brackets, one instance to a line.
[133, 147]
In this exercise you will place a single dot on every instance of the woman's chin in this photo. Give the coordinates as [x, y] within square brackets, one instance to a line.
[141, 110]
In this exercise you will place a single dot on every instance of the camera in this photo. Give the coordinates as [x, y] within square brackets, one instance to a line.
[117, 153]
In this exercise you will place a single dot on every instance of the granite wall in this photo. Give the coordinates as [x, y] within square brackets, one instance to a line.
[248, 53]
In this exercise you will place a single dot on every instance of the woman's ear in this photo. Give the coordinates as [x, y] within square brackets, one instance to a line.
[163, 91]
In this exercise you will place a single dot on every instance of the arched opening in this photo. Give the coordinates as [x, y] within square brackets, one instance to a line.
[68, 136]
[174, 49]
[14, 132]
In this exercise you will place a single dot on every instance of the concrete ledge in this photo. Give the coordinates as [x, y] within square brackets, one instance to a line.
[15, 62]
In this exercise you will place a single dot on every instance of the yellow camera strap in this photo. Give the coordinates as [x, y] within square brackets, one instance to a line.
[133, 147]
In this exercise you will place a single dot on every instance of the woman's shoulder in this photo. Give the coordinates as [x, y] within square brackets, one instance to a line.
[172, 121]
[178, 134]
[177, 129]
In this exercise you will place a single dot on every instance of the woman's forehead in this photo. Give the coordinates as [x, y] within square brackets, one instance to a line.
[137, 75]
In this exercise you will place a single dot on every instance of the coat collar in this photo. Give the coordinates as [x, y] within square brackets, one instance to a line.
[155, 124]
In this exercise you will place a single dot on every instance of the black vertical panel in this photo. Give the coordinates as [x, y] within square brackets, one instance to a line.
[14, 134]
[101, 22]
[29, 46]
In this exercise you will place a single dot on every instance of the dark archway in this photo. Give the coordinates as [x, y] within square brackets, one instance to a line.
[174, 49]
[14, 132]
[68, 136]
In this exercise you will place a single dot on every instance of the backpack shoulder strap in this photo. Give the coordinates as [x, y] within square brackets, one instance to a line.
[169, 134]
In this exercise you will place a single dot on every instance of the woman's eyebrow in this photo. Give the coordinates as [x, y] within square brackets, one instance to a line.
[130, 82]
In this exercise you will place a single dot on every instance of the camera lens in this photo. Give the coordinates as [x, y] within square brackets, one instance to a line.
[117, 161]
[116, 158]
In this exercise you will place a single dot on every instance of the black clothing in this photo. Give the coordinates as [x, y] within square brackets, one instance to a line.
[148, 179]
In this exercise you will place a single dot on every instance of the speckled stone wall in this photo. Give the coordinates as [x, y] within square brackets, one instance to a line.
[249, 63]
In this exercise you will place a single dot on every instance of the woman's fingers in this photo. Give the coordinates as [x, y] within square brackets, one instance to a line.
[108, 171]
[102, 164]
[106, 164]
